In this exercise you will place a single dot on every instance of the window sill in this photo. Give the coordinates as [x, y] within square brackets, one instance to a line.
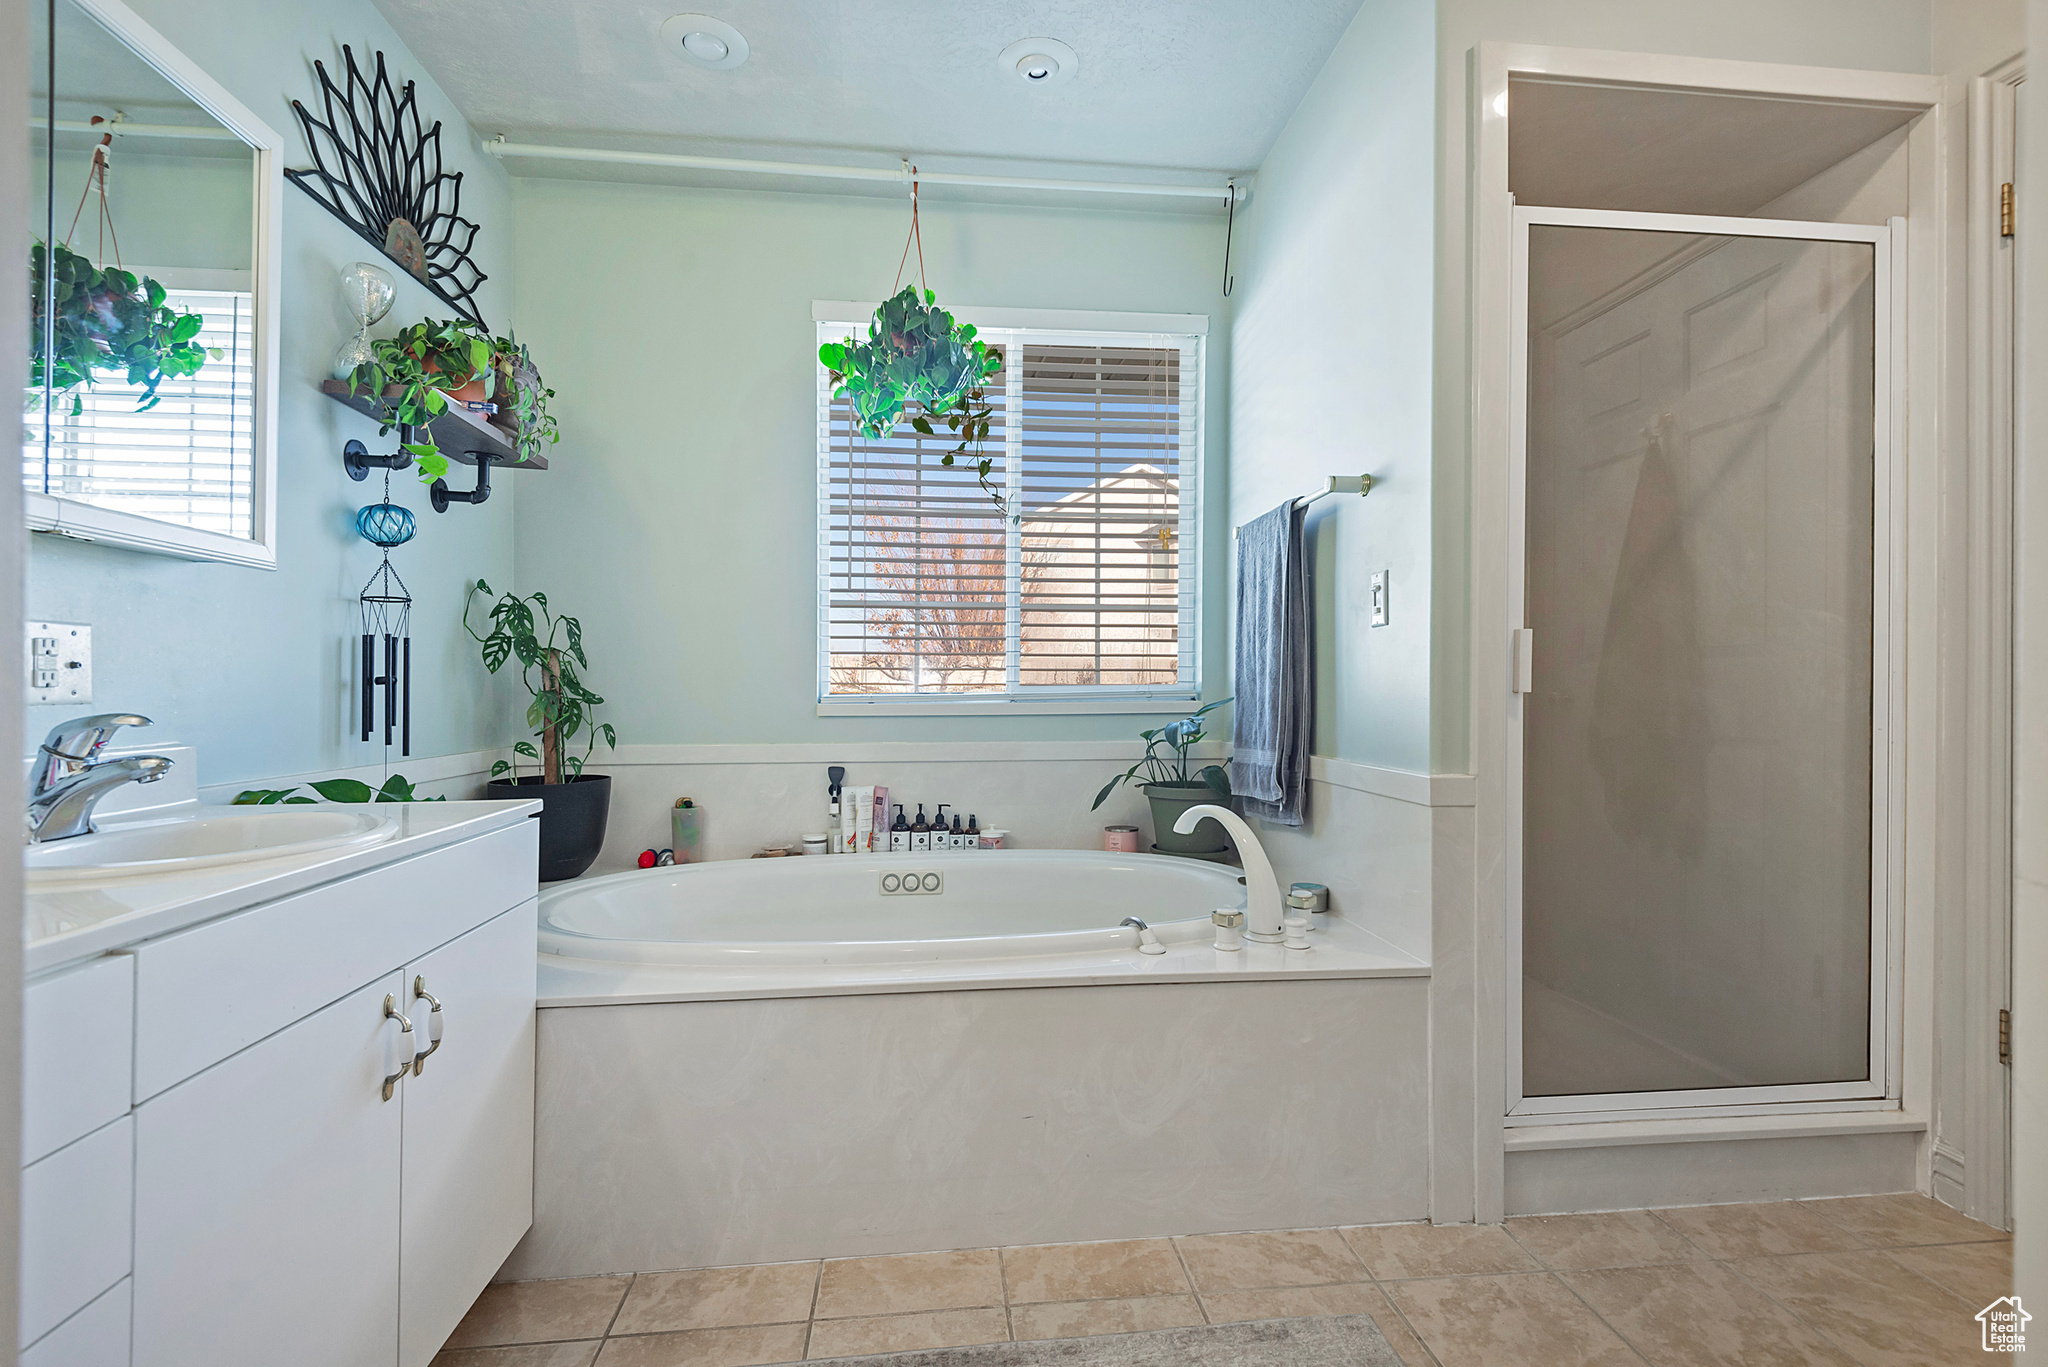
[1004, 707]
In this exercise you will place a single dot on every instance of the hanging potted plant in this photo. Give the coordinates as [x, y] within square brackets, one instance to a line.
[918, 359]
[574, 805]
[1171, 788]
[106, 320]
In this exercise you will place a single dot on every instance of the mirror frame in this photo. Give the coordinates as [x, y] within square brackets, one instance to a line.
[87, 522]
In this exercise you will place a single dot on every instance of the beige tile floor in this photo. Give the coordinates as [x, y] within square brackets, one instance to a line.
[1881, 1281]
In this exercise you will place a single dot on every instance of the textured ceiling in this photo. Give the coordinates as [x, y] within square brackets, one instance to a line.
[1194, 84]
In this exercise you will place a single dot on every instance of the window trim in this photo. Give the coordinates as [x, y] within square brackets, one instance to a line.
[1077, 324]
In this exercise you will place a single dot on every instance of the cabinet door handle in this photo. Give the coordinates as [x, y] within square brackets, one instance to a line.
[405, 1040]
[434, 1026]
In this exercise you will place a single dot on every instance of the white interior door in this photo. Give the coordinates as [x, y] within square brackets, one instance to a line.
[1701, 908]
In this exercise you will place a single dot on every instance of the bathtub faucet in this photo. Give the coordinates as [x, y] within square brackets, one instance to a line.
[1262, 889]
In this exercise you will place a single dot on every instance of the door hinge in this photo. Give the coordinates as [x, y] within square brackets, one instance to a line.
[2005, 1036]
[2005, 210]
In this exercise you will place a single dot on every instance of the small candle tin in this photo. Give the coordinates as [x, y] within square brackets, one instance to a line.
[1120, 839]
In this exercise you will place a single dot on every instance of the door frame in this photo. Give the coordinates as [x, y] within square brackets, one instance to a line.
[1468, 999]
[1887, 675]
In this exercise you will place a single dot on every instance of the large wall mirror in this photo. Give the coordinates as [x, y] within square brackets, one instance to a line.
[150, 416]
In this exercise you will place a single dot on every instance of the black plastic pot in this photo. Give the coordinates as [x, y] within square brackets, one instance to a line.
[572, 818]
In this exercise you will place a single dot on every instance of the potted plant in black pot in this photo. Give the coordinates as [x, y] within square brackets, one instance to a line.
[574, 805]
[1171, 788]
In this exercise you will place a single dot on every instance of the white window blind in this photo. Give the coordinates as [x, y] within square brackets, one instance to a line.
[186, 460]
[1088, 589]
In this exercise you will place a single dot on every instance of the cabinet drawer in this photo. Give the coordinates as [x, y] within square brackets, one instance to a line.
[78, 1031]
[76, 1218]
[96, 1336]
[204, 993]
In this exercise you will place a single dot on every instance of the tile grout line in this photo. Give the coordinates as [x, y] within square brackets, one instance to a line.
[1399, 1314]
[1181, 1257]
[1573, 1291]
[1003, 1276]
[811, 1320]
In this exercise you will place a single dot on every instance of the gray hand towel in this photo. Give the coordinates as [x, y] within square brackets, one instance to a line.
[1275, 683]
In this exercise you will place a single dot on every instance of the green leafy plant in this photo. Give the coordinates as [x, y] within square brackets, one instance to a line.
[427, 362]
[395, 789]
[917, 356]
[524, 629]
[106, 320]
[1166, 757]
[519, 391]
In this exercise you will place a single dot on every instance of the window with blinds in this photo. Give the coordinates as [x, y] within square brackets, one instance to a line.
[186, 460]
[1086, 589]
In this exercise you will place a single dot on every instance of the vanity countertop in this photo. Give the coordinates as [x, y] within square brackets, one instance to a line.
[62, 925]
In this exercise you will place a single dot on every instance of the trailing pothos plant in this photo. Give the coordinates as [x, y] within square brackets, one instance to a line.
[917, 356]
[524, 629]
[396, 789]
[427, 362]
[1166, 757]
[519, 390]
[106, 319]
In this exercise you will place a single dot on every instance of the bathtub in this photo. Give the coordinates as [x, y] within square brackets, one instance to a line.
[773, 1060]
[855, 910]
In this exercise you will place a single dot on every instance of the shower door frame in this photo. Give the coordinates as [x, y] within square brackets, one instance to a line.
[1881, 1088]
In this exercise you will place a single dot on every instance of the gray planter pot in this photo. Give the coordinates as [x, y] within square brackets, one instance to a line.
[1168, 801]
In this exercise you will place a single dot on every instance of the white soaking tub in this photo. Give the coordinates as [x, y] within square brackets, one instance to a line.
[893, 909]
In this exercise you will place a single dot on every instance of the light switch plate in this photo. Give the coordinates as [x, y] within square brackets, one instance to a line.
[1379, 598]
[59, 662]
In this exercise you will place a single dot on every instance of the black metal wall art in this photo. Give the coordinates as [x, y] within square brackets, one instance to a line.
[382, 176]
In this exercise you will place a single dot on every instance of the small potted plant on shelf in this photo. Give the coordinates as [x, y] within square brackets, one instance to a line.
[521, 398]
[419, 373]
[1171, 788]
[917, 356]
[106, 319]
[574, 805]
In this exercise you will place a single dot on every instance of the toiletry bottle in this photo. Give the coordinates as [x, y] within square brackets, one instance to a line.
[973, 832]
[940, 840]
[956, 839]
[920, 832]
[899, 834]
[835, 775]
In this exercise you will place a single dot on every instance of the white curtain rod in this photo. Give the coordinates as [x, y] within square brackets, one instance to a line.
[139, 130]
[902, 176]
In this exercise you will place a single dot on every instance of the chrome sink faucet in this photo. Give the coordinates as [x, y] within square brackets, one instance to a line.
[69, 778]
[1261, 888]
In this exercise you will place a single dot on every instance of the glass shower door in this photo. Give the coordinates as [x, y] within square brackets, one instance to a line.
[1703, 493]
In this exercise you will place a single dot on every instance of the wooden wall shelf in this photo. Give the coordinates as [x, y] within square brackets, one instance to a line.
[459, 433]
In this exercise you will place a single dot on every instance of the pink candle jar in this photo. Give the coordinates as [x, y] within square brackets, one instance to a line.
[1120, 839]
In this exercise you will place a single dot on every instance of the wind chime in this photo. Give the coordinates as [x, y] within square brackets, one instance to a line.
[387, 618]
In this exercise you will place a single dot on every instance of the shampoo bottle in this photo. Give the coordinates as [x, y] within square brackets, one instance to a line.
[899, 834]
[920, 832]
[973, 832]
[956, 839]
[940, 840]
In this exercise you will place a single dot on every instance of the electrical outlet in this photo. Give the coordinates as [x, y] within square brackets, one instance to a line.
[1379, 598]
[59, 661]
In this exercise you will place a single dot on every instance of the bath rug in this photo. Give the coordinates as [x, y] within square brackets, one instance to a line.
[1325, 1341]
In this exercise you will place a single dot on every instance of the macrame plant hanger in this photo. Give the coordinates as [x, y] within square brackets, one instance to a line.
[96, 179]
[387, 617]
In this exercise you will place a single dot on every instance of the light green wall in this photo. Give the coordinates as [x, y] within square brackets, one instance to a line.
[1330, 346]
[1878, 35]
[168, 210]
[252, 666]
[680, 519]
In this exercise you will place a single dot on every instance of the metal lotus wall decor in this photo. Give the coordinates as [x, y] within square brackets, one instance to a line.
[381, 175]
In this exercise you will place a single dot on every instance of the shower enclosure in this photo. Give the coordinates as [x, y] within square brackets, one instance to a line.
[1701, 786]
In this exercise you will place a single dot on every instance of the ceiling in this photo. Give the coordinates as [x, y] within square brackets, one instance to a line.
[1190, 85]
[1588, 146]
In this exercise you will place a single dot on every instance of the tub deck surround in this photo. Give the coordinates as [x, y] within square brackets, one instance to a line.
[64, 925]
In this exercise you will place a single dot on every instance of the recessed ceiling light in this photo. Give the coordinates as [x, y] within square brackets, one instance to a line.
[705, 41]
[1039, 61]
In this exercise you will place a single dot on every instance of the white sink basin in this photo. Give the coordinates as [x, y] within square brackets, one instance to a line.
[235, 836]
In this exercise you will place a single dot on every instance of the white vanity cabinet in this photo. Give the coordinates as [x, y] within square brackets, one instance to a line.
[284, 1207]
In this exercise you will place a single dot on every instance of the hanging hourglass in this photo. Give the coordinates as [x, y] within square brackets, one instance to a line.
[367, 292]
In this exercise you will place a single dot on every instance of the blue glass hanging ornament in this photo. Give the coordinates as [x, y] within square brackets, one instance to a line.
[386, 524]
